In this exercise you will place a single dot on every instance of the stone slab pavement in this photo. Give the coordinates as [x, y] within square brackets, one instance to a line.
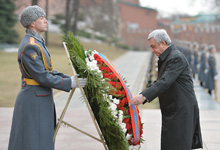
[133, 66]
[217, 56]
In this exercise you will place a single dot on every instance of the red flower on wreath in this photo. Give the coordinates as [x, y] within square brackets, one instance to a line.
[107, 69]
[119, 85]
[112, 83]
[118, 92]
[96, 56]
[102, 68]
[128, 126]
[105, 75]
[123, 102]
[99, 61]
[112, 76]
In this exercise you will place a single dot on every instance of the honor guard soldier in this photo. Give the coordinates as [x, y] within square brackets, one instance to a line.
[203, 64]
[195, 59]
[211, 76]
[34, 115]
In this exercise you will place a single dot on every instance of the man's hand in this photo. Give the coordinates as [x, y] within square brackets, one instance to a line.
[215, 77]
[137, 100]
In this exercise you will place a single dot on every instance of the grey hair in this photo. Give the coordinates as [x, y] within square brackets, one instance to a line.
[160, 35]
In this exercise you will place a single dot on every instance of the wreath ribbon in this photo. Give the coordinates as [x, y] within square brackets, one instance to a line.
[135, 121]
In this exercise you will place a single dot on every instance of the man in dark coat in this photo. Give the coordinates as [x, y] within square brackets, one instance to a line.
[34, 114]
[178, 103]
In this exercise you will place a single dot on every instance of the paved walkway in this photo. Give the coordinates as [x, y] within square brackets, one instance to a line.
[217, 56]
[132, 66]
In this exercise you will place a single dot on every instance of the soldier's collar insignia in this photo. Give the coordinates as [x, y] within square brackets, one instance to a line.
[34, 56]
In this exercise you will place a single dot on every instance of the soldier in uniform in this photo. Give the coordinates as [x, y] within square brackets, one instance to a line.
[212, 72]
[203, 64]
[195, 59]
[189, 57]
[34, 112]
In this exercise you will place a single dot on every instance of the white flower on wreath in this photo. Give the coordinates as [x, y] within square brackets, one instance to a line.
[116, 101]
[123, 126]
[94, 52]
[91, 58]
[112, 107]
[128, 136]
[92, 65]
[120, 112]
[120, 116]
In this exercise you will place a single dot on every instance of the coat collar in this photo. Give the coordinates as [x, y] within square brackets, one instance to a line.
[35, 35]
[164, 55]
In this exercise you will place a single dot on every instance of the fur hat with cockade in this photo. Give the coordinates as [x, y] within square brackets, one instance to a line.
[30, 14]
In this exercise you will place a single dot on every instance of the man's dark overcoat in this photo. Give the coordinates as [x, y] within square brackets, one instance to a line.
[178, 103]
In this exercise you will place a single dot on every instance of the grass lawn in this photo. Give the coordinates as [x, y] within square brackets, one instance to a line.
[10, 77]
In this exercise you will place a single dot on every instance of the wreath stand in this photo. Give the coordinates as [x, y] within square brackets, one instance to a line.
[60, 120]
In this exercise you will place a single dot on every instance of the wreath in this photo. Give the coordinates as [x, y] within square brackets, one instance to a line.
[108, 96]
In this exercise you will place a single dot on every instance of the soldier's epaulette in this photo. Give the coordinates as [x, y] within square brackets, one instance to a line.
[31, 40]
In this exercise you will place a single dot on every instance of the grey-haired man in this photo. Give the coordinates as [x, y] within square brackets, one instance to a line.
[174, 87]
[34, 115]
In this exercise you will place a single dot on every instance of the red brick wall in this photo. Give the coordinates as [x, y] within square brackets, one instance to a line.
[200, 36]
[133, 1]
[136, 24]
[142, 17]
[55, 6]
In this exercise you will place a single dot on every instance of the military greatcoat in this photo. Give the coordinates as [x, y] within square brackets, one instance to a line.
[203, 67]
[212, 72]
[178, 103]
[34, 112]
[195, 62]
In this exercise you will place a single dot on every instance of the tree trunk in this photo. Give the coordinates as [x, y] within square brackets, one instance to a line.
[67, 25]
[34, 2]
[75, 13]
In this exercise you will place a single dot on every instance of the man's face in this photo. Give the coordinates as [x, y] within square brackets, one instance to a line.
[40, 24]
[156, 48]
[197, 47]
[214, 50]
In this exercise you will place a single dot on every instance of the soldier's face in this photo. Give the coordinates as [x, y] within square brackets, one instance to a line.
[156, 48]
[40, 24]
[213, 50]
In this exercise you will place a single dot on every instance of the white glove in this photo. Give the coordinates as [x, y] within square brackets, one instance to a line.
[206, 71]
[198, 66]
[74, 84]
[215, 77]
